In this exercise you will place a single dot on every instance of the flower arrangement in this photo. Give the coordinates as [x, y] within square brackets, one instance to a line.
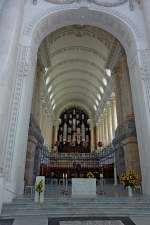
[39, 188]
[129, 179]
[90, 175]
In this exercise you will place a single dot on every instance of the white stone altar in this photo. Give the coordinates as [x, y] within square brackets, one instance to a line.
[84, 187]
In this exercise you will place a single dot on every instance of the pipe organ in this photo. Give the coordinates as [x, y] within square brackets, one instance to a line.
[74, 131]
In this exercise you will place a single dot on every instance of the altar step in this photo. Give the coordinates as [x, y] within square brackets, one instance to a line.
[60, 207]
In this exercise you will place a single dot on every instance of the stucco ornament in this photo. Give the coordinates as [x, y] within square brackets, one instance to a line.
[106, 3]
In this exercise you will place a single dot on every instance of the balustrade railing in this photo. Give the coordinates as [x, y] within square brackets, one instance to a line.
[105, 156]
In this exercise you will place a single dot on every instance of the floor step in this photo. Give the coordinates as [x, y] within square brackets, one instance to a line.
[69, 207]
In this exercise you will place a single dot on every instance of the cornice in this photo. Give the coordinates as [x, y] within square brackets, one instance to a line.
[106, 3]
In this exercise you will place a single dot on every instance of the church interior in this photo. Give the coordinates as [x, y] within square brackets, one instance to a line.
[74, 112]
[82, 113]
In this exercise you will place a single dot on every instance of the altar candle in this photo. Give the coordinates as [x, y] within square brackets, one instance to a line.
[63, 179]
[66, 182]
[101, 175]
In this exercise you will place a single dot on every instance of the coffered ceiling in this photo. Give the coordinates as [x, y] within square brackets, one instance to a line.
[75, 59]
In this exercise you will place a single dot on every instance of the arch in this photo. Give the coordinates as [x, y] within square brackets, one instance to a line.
[72, 95]
[80, 86]
[132, 39]
[75, 60]
[82, 80]
[84, 71]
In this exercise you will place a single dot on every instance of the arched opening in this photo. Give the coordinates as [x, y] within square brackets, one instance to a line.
[34, 31]
[75, 66]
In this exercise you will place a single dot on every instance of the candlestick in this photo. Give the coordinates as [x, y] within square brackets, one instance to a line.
[63, 180]
[66, 182]
[101, 183]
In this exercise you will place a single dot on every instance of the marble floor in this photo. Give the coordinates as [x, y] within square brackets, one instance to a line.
[92, 221]
[40, 220]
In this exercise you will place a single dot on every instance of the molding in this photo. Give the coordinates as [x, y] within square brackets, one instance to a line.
[25, 65]
[80, 31]
[115, 53]
[109, 3]
[106, 3]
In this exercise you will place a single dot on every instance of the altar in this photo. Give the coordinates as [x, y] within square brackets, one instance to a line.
[84, 187]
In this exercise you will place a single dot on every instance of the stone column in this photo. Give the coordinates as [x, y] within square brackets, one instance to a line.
[31, 148]
[56, 128]
[50, 135]
[110, 121]
[105, 128]
[97, 133]
[109, 116]
[100, 130]
[92, 139]
[117, 78]
[99, 138]
[131, 155]
[103, 131]
[127, 128]
[145, 8]
[91, 123]
[114, 116]
[115, 170]
[34, 145]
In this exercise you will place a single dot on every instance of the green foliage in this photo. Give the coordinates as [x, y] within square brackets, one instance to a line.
[39, 187]
[129, 179]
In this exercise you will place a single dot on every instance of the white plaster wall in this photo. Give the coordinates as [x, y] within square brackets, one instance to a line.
[146, 7]
[19, 158]
[1, 191]
[1, 4]
[10, 25]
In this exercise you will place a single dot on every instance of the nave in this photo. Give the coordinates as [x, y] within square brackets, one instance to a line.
[74, 112]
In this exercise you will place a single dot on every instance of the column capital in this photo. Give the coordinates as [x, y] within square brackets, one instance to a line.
[57, 122]
[91, 122]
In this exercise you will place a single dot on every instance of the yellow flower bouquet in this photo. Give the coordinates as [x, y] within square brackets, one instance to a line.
[129, 179]
[90, 175]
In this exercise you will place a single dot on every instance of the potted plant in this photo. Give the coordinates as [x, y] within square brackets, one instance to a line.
[129, 180]
[39, 188]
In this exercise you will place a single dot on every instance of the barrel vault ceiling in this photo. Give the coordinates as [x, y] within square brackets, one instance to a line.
[75, 59]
